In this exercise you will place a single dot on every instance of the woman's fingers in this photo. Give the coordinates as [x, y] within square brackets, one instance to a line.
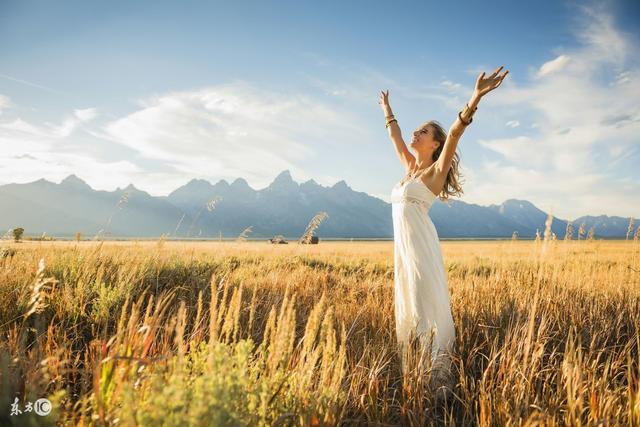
[497, 71]
[501, 78]
[384, 97]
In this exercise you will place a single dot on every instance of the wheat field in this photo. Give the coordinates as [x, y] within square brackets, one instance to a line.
[250, 333]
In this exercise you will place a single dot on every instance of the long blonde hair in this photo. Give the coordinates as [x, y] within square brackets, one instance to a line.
[451, 185]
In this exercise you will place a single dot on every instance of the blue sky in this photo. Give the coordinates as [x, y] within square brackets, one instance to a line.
[158, 93]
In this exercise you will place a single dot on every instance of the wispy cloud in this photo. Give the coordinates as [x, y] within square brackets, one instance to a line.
[86, 114]
[223, 131]
[5, 102]
[585, 126]
[553, 66]
[451, 85]
[32, 152]
[25, 134]
[25, 82]
[232, 130]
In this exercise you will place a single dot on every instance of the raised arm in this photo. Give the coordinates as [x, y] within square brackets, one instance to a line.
[407, 159]
[465, 117]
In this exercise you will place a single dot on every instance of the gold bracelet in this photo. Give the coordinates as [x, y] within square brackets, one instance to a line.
[466, 113]
[389, 122]
[462, 120]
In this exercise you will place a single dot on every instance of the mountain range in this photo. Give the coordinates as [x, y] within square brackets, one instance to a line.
[285, 207]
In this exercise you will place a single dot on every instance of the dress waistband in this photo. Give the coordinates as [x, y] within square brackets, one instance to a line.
[409, 199]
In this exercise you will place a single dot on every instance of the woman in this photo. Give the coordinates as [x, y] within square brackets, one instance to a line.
[422, 306]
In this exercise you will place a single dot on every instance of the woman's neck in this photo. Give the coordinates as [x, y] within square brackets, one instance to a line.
[424, 161]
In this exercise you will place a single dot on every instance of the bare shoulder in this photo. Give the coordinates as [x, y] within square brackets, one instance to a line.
[434, 178]
[439, 169]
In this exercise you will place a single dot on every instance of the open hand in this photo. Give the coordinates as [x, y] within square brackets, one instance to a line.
[485, 85]
[383, 100]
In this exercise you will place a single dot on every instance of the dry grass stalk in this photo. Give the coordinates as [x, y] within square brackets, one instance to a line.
[568, 235]
[539, 341]
[243, 236]
[630, 228]
[41, 291]
[547, 227]
[581, 231]
[311, 227]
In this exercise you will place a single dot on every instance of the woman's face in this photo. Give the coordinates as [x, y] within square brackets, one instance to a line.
[423, 139]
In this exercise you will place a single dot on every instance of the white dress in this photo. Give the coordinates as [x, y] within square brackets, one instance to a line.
[421, 292]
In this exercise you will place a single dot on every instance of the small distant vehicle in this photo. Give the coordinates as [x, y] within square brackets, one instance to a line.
[313, 241]
[278, 240]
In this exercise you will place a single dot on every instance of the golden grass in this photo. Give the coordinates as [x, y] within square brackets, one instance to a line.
[250, 333]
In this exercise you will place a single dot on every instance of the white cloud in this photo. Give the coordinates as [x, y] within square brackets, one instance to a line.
[232, 130]
[29, 134]
[56, 166]
[553, 66]
[5, 102]
[512, 123]
[215, 132]
[31, 152]
[21, 130]
[585, 128]
[450, 85]
[86, 114]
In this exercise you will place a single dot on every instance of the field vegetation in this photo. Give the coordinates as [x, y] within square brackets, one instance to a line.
[250, 333]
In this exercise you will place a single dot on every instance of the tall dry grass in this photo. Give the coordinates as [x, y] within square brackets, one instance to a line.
[129, 333]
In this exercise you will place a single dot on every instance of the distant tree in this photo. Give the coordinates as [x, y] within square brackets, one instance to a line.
[17, 233]
[78, 236]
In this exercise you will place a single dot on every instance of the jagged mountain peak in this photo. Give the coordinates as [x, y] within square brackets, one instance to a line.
[283, 181]
[286, 173]
[129, 189]
[240, 182]
[285, 211]
[72, 181]
[197, 182]
[223, 183]
[192, 188]
[518, 202]
[42, 181]
[310, 185]
[342, 184]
